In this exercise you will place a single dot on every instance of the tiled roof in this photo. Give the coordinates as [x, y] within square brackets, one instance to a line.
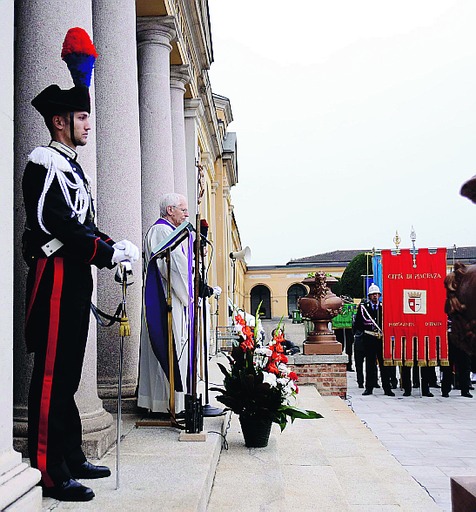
[342, 258]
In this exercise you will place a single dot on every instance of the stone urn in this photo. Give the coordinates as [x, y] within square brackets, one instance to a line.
[320, 306]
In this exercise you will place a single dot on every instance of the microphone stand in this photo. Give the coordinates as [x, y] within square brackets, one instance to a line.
[193, 403]
[208, 410]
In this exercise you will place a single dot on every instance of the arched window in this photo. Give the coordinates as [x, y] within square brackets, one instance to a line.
[294, 292]
[260, 293]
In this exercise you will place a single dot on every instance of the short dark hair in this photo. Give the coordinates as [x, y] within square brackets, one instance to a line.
[49, 120]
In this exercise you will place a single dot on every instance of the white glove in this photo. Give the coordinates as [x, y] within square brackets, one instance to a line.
[125, 250]
[217, 291]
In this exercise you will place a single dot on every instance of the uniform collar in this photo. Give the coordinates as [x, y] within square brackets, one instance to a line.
[64, 149]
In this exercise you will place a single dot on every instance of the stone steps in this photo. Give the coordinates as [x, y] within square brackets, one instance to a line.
[334, 463]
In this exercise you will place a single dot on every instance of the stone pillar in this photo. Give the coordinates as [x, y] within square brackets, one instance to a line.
[154, 35]
[119, 178]
[40, 30]
[179, 76]
[193, 109]
[18, 490]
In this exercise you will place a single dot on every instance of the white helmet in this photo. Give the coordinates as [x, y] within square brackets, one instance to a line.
[373, 288]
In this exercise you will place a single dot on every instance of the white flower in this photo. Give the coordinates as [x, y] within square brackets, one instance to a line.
[270, 378]
[264, 351]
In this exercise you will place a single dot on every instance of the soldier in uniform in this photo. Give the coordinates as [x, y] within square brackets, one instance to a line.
[60, 243]
[368, 321]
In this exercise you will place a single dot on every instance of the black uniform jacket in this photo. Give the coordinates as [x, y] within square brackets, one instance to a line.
[83, 242]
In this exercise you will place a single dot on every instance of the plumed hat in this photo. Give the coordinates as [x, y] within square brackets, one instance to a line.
[79, 54]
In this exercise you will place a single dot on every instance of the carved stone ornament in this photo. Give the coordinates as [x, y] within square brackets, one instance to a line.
[319, 306]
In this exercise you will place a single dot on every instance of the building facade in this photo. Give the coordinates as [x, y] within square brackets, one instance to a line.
[159, 128]
[277, 287]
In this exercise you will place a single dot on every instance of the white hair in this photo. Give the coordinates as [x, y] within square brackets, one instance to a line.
[170, 199]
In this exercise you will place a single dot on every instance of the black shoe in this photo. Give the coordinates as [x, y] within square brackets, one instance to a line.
[377, 386]
[467, 394]
[70, 490]
[407, 393]
[389, 392]
[435, 386]
[361, 386]
[428, 394]
[367, 392]
[445, 395]
[88, 470]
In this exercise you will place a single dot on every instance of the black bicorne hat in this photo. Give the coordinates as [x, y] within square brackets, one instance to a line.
[53, 100]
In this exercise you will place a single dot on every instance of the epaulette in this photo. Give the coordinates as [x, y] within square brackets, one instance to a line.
[45, 157]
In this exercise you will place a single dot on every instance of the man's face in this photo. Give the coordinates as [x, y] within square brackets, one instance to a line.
[82, 126]
[178, 213]
[374, 298]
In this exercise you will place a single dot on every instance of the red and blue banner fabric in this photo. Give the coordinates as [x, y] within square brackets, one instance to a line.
[414, 318]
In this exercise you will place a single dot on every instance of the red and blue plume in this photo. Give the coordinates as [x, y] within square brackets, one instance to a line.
[79, 54]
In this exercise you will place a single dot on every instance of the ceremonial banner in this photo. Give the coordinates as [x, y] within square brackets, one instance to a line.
[377, 269]
[414, 318]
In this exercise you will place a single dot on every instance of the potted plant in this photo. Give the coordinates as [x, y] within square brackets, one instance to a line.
[258, 386]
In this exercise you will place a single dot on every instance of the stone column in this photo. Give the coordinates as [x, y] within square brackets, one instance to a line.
[119, 182]
[193, 109]
[40, 30]
[154, 35]
[18, 481]
[179, 76]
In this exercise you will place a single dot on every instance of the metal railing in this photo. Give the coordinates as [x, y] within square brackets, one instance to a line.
[225, 338]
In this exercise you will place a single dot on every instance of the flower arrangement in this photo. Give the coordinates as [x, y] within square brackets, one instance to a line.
[258, 383]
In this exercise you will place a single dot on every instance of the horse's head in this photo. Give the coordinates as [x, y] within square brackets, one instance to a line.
[460, 306]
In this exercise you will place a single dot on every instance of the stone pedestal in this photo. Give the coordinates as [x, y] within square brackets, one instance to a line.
[326, 372]
[463, 493]
[321, 340]
[319, 306]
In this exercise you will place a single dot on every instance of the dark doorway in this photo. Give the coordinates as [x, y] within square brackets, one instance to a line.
[260, 293]
[294, 292]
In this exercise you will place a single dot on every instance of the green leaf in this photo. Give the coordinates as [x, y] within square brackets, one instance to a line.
[296, 412]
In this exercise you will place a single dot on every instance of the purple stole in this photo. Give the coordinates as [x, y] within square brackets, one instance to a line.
[155, 303]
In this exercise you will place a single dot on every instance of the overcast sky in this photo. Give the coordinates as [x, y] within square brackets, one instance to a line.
[354, 119]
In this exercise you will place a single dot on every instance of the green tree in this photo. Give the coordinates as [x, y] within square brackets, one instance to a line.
[351, 282]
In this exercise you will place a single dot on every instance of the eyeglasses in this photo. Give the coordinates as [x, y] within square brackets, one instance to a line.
[183, 210]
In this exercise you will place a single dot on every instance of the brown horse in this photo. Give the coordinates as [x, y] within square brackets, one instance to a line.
[460, 306]
[460, 286]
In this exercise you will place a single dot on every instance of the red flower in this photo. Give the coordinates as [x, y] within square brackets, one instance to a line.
[240, 320]
[247, 345]
[293, 376]
[247, 331]
[272, 368]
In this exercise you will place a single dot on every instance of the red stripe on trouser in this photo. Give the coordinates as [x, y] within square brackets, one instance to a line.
[53, 328]
[40, 267]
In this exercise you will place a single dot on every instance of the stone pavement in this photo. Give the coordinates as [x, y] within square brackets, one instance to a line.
[432, 438]
[390, 454]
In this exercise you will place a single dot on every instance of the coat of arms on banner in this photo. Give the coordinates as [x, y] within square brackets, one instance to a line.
[414, 302]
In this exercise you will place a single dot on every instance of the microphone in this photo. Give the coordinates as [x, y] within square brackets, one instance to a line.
[203, 232]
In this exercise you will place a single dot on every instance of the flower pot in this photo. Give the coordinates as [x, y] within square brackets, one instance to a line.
[255, 430]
